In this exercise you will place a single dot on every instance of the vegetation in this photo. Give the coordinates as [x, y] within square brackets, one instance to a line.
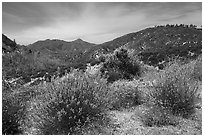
[198, 68]
[129, 87]
[79, 102]
[156, 44]
[121, 65]
[157, 116]
[13, 109]
[124, 95]
[64, 107]
[174, 95]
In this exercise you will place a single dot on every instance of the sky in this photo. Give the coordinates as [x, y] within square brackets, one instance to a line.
[28, 22]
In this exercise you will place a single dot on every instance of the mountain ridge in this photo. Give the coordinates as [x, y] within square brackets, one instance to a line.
[149, 41]
[154, 46]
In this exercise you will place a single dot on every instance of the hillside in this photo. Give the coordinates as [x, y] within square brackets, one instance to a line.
[7, 44]
[156, 44]
[60, 45]
[62, 50]
[41, 57]
[54, 87]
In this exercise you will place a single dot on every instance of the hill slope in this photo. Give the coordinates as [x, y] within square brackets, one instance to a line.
[7, 44]
[62, 50]
[156, 44]
[41, 57]
[60, 45]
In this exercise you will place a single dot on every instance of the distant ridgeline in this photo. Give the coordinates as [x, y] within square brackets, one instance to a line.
[154, 46]
[157, 44]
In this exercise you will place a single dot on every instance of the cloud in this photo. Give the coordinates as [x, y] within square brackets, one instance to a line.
[95, 22]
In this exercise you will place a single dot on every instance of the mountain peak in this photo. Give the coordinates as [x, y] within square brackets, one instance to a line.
[78, 40]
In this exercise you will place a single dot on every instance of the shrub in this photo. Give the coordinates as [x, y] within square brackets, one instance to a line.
[156, 116]
[67, 105]
[124, 95]
[15, 64]
[176, 91]
[198, 68]
[121, 65]
[13, 110]
[10, 117]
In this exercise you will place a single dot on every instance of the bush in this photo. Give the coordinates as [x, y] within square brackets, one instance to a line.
[121, 65]
[198, 68]
[13, 110]
[66, 106]
[124, 95]
[176, 91]
[16, 64]
[156, 116]
[10, 117]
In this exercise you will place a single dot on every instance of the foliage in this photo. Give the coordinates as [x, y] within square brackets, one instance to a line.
[124, 95]
[78, 101]
[176, 91]
[14, 63]
[66, 105]
[10, 117]
[197, 74]
[156, 116]
[173, 95]
[121, 65]
[157, 44]
[13, 109]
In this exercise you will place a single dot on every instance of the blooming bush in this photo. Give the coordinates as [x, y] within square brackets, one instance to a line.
[176, 91]
[174, 95]
[67, 105]
[124, 95]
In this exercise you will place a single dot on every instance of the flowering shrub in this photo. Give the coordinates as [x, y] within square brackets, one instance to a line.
[67, 105]
[176, 91]
[124, 95]
[174, 95]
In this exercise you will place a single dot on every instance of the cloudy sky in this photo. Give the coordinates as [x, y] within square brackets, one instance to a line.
[92, 22]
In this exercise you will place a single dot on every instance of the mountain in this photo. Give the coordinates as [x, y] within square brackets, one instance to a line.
[42, 57]
[61, 50]
[156, 44]
[60, 45]
[8, 45]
